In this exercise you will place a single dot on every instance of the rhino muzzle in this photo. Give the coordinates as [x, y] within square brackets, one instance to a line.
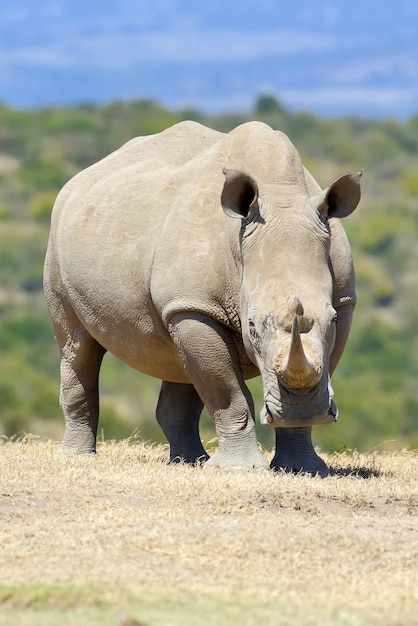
[286, 407]
[289, 415]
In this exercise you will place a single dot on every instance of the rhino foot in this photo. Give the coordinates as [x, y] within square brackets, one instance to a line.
[199, 459]
[314, 467]
[238, 462]
[78, 440]
[296, 454]
[73, 451]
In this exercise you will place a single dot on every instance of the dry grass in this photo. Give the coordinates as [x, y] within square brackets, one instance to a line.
[123, 538]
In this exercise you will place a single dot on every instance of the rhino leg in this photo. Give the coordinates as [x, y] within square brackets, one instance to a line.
[211, 361]
[81, 358]
[178, 413]
[295, 452]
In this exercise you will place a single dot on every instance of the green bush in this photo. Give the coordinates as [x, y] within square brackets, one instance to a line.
[22, 252]
[40, 206]
[409, 183]
[43, 175]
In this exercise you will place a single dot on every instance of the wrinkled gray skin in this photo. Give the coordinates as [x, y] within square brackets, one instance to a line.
[204, 259]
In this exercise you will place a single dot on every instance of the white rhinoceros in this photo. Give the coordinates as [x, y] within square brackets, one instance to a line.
[146, 261]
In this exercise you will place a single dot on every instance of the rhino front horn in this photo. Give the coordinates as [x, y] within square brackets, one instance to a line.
[300, 371]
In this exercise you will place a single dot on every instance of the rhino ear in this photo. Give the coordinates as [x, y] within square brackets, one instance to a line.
[239, 195]
[341, 197]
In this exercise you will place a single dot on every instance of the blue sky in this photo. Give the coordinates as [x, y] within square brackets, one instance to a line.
[332, 57]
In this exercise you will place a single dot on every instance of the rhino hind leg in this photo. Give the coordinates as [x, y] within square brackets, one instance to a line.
[295, 452]
[81, 358]
[178, 413]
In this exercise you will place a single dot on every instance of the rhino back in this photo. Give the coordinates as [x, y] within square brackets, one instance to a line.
[151, 207]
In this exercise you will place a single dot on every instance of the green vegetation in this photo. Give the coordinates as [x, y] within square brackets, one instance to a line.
[375, 384]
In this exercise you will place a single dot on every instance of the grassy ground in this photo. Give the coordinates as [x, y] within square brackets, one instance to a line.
[125, 539]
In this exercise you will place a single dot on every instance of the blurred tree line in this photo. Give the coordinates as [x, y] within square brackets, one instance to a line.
[376, 382]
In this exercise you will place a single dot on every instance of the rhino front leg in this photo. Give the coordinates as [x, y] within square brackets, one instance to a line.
[295, 452]
[178, 413]
[210, 359]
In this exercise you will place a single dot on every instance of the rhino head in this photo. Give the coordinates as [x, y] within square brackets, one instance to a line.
[287, 314]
